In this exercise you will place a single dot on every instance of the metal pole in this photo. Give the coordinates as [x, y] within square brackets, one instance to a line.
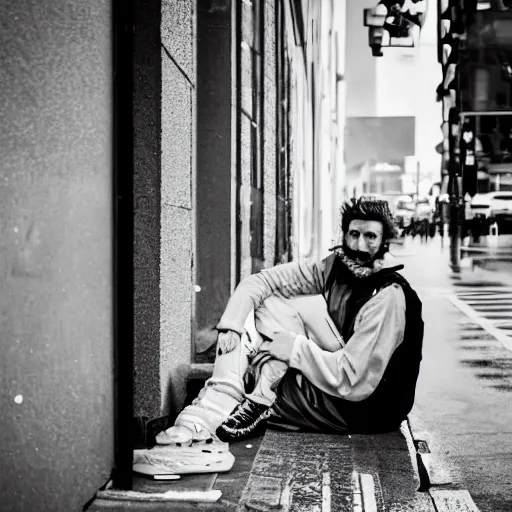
[453, 189]
[417, 179]
[455, 236]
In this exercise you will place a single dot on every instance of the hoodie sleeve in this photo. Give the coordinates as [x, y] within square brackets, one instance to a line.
[288, 279]
[355, 371]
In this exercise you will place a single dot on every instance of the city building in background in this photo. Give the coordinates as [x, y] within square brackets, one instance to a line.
[475, 50]
[392, 125]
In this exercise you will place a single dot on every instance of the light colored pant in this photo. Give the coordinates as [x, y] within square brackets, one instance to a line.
[306, 315]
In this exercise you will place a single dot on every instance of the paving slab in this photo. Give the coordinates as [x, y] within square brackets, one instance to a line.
[306, 472]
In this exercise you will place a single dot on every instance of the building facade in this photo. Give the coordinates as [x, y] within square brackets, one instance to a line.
[247, 171]
[390, 98]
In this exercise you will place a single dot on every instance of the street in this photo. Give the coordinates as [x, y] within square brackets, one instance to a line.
[465, 384]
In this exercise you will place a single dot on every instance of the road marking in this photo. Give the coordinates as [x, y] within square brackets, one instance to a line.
[490, 308]
[485, 323]
[368, 492]
[326, 492]
[356, 493]
[284, 502]
[363, 493]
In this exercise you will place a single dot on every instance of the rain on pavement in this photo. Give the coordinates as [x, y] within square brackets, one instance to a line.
[465, 384]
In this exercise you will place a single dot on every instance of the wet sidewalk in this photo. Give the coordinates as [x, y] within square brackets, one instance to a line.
[280, 471]
[465, 383]
[295, 471]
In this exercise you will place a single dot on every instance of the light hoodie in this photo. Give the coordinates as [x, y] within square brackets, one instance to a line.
[352, 372]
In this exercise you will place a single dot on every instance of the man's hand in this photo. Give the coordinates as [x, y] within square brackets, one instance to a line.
[227, 341]
[281, 345]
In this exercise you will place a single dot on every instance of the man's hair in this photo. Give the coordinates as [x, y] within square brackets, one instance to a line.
[369, 209]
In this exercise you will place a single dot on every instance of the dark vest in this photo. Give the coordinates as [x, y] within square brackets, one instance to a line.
[394, 396]
[301, 405]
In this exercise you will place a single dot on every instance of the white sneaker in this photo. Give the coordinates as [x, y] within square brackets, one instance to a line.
[183, 435]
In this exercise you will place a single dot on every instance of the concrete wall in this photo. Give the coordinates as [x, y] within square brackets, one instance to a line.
[56, 245]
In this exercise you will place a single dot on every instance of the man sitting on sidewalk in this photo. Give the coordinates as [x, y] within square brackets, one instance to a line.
[336, 345]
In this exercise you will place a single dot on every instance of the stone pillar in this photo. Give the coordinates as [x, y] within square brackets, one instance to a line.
[178, 96]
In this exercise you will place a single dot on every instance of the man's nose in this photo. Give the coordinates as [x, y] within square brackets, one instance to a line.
[362, 245]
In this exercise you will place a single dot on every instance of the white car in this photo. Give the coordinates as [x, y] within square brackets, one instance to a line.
[404, 211]
[423, 210]
[497, 205]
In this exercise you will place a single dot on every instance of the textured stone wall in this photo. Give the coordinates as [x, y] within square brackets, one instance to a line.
[56, 367]
[178, 37]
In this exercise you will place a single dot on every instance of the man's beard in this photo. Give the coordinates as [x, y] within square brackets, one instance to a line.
[360, 257]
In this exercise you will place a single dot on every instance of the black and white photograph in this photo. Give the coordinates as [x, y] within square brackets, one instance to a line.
[256, 255]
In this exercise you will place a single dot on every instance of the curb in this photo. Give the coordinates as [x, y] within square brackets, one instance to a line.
[439, 481]
[506, 251]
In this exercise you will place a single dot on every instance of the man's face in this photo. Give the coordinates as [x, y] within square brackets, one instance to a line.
[363, 240]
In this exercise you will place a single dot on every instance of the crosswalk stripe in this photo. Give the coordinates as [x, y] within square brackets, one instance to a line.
[487, 307]
[507, 296]
[490, 308]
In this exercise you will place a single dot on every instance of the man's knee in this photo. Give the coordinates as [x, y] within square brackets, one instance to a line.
[277, 314]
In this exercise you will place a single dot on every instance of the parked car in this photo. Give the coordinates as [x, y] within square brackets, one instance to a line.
[404, 212]
[492, 205]
[485, 209]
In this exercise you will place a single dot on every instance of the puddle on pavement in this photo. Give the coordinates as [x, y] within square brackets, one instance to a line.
[478, 284]
[503, 387]
[495, 364]
[497, 373]
[494, 376]
[470, 348]
[477, 351]
[470, 327]
[476, 337]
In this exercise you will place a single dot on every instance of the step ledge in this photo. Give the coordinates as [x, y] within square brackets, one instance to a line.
[171, 496]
